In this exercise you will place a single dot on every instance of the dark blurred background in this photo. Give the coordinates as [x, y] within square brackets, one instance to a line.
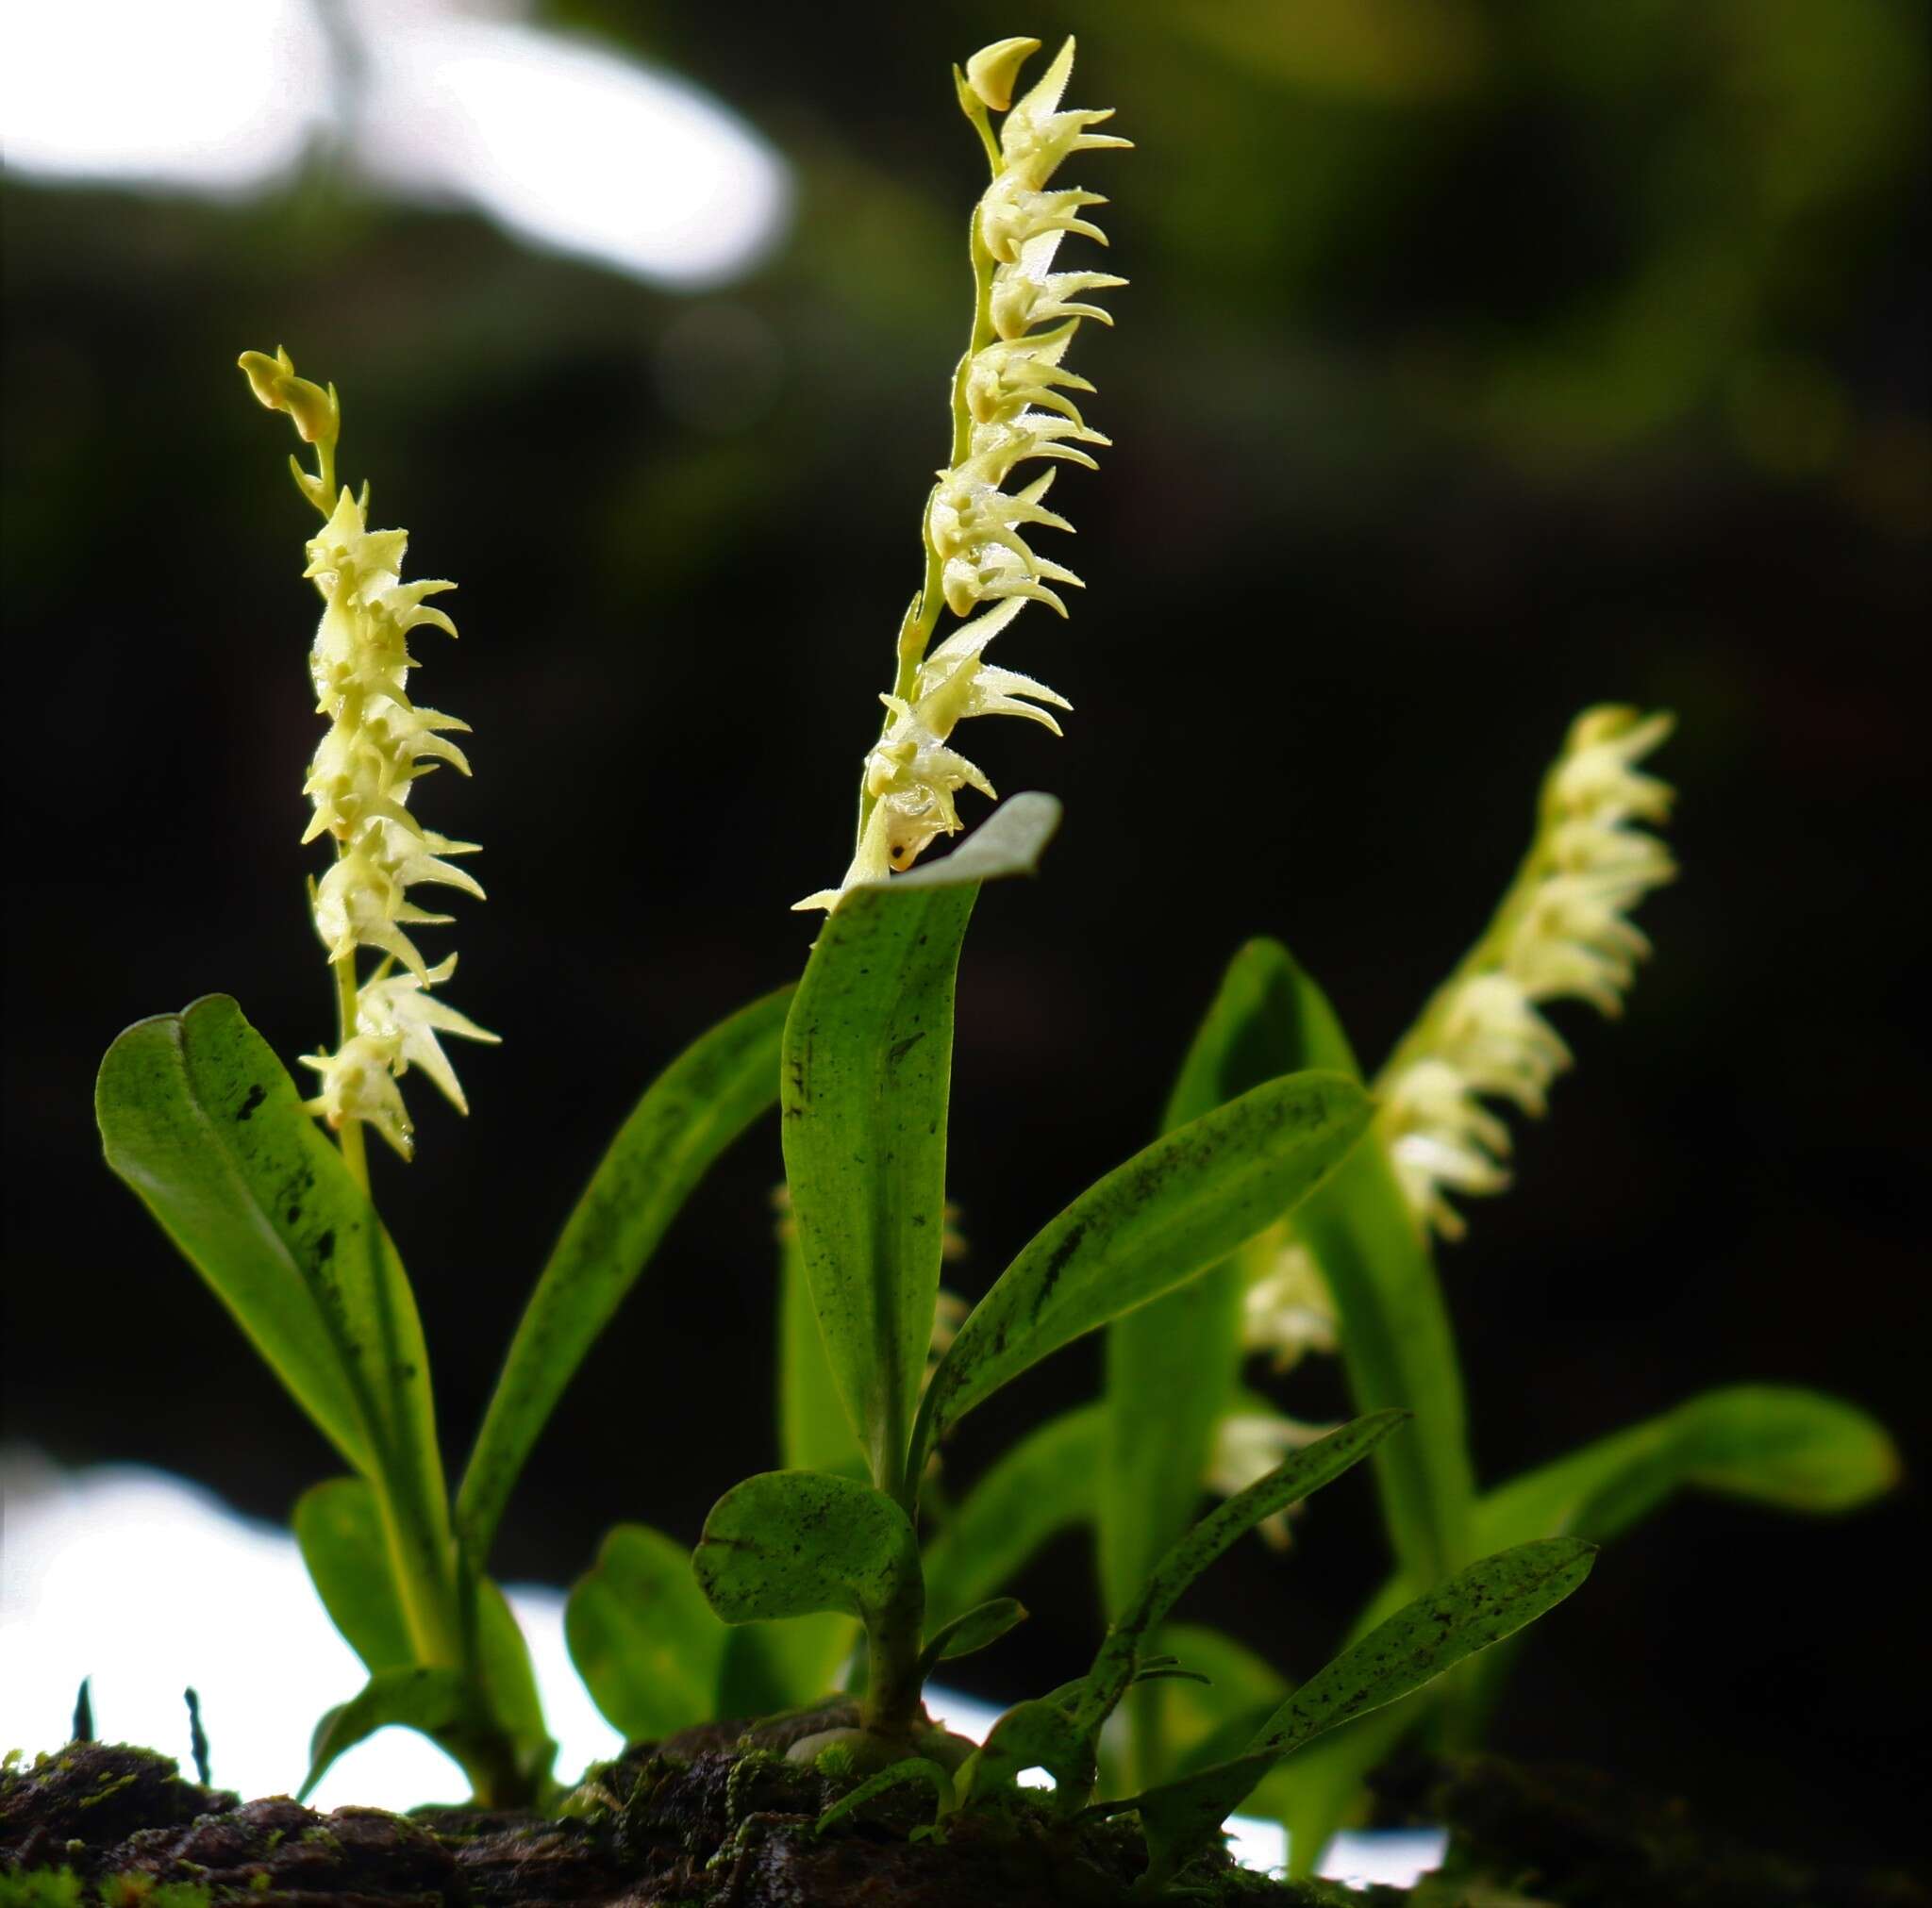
[1480, 361]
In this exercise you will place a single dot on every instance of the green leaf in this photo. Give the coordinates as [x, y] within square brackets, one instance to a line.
[1396, 1343]
[1185, 1349]
[977, 1630]
[916, 1769]
[339, 1531]
[1042, 1734]
[204, 1122]
[509, 1680]
[442, 1704]
[1171, 1211]
[1042, 1485]
[648, 1646]
[1475, 1608]
[867, 1071]
[787, 1543]
[814, 1434]
[1797, 1449]
[1298, 1476]
[689, 1115]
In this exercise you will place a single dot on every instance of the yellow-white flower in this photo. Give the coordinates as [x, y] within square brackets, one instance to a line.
[1287, 1310]
[1010, 406]
[397, 1021]
[1561, 933]
[378, 745]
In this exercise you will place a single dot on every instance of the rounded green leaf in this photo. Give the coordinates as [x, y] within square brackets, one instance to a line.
[788, 1543]
[648, 1646]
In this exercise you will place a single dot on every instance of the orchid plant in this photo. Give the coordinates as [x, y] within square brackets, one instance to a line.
[1285, 1205]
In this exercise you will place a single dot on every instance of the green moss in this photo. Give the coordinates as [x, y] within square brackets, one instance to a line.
[41, 1888]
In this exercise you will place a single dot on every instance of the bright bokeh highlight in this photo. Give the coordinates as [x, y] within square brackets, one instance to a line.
[565, 143]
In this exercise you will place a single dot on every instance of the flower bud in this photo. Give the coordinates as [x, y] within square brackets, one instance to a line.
[316, 413]
[994, 71]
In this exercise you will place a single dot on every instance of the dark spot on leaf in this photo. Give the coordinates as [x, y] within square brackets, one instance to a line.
[326, 1244]
[901, 1048]
[257, 1094]
[1056, 1263]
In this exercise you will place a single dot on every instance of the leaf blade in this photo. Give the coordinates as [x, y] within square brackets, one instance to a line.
[865, 1084]
[202, 1120]
[1185, 1348]
[339, 1531]
[1299, 1475]
[1173, 1210]
[792, 1543]
[1041, 1486]
[1397, 1347]
[1478, 1607]
[1800, 1450]
[708, 1095]
[648, 1644]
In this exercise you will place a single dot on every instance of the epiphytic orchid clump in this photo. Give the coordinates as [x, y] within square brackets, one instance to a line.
[1283, 1207]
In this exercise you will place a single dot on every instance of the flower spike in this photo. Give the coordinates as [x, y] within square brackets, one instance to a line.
[1561, 933]
[378, 745]
[1010, 406]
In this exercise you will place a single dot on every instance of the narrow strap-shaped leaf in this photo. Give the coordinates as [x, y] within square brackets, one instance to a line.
[650, 1649]
[868, 1061]
[1175, 1208]
[1797, 1449]
[1298, 1476]
[689, 1115]
[202, 1122]
[915, 1768]
[1044, 1486]
[339, 1531]
[1185, 1349]
[814, 1433]
[1475, 1608]
[1170, 1367]
[976, 1629]
[1396, 1342]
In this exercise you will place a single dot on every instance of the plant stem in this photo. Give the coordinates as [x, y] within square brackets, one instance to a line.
[894, 1637]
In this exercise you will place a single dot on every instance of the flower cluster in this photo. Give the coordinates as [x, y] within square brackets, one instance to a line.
[378, 744]
[1011, 406]
[1287, 1309]
[1561, 933]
